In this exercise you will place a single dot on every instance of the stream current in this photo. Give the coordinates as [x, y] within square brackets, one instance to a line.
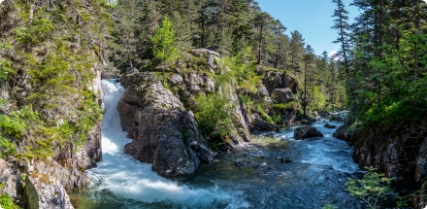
[273, 171]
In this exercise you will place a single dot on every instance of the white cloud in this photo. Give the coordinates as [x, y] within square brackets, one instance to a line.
[335, 55]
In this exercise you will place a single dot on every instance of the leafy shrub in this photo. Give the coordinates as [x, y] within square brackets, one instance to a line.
[6, 147]
[214, 117]
[371, 188]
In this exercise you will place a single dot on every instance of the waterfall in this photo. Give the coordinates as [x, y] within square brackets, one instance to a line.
[134, 183]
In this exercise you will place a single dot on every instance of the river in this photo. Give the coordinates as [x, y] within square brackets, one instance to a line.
[273, 171]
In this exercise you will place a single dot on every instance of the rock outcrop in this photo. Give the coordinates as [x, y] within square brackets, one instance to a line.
[399, 152]
[306, 132]
[43, 184]
[163, 132]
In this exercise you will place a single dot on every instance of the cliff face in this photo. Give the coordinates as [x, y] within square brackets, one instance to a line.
[399, 152]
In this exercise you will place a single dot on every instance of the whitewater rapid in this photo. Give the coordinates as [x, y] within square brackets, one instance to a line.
[128, 178]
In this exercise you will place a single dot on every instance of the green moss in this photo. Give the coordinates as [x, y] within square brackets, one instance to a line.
[7, 203]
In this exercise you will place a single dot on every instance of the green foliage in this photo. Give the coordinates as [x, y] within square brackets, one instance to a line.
[329, 206]
[264, 114]
[6, 202]
[164, 42]
[214, 117]
[7, 148]
[318, 101]
[243, 70]
[393, 111]
[289, 105]
[5, 69]
[371, 188]
[39, 30]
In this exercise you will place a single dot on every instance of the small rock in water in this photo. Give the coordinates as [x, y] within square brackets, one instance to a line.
[239, 163]
[327, 125]
[305, 132]
[285, 160]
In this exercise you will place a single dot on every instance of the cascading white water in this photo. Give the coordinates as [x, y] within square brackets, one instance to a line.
[127, 178]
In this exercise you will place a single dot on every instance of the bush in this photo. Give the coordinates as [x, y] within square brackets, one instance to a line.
[213, 115]
[371, 188]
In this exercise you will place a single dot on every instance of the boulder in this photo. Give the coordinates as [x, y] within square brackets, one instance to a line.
[274, 80]
[164, 133]
[306, 132]
[283, 95]
[44, 187]
[176, 79]
[342, 133]
[335, 117]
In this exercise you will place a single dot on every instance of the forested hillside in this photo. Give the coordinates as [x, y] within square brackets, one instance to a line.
[384, 59]
[229, 27]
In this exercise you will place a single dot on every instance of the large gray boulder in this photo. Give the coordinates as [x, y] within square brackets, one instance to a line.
[306, 132]
[273, 80]
[282, 95]
[163, 132]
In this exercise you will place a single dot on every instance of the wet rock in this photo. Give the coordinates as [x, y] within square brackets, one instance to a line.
[259, 124]
[285, 160]
[239, 163]
[327, 125]
[306, 132]
[335, 117]
[342, 133]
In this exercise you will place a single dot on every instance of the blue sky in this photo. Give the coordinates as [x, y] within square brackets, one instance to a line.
[312, 18]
